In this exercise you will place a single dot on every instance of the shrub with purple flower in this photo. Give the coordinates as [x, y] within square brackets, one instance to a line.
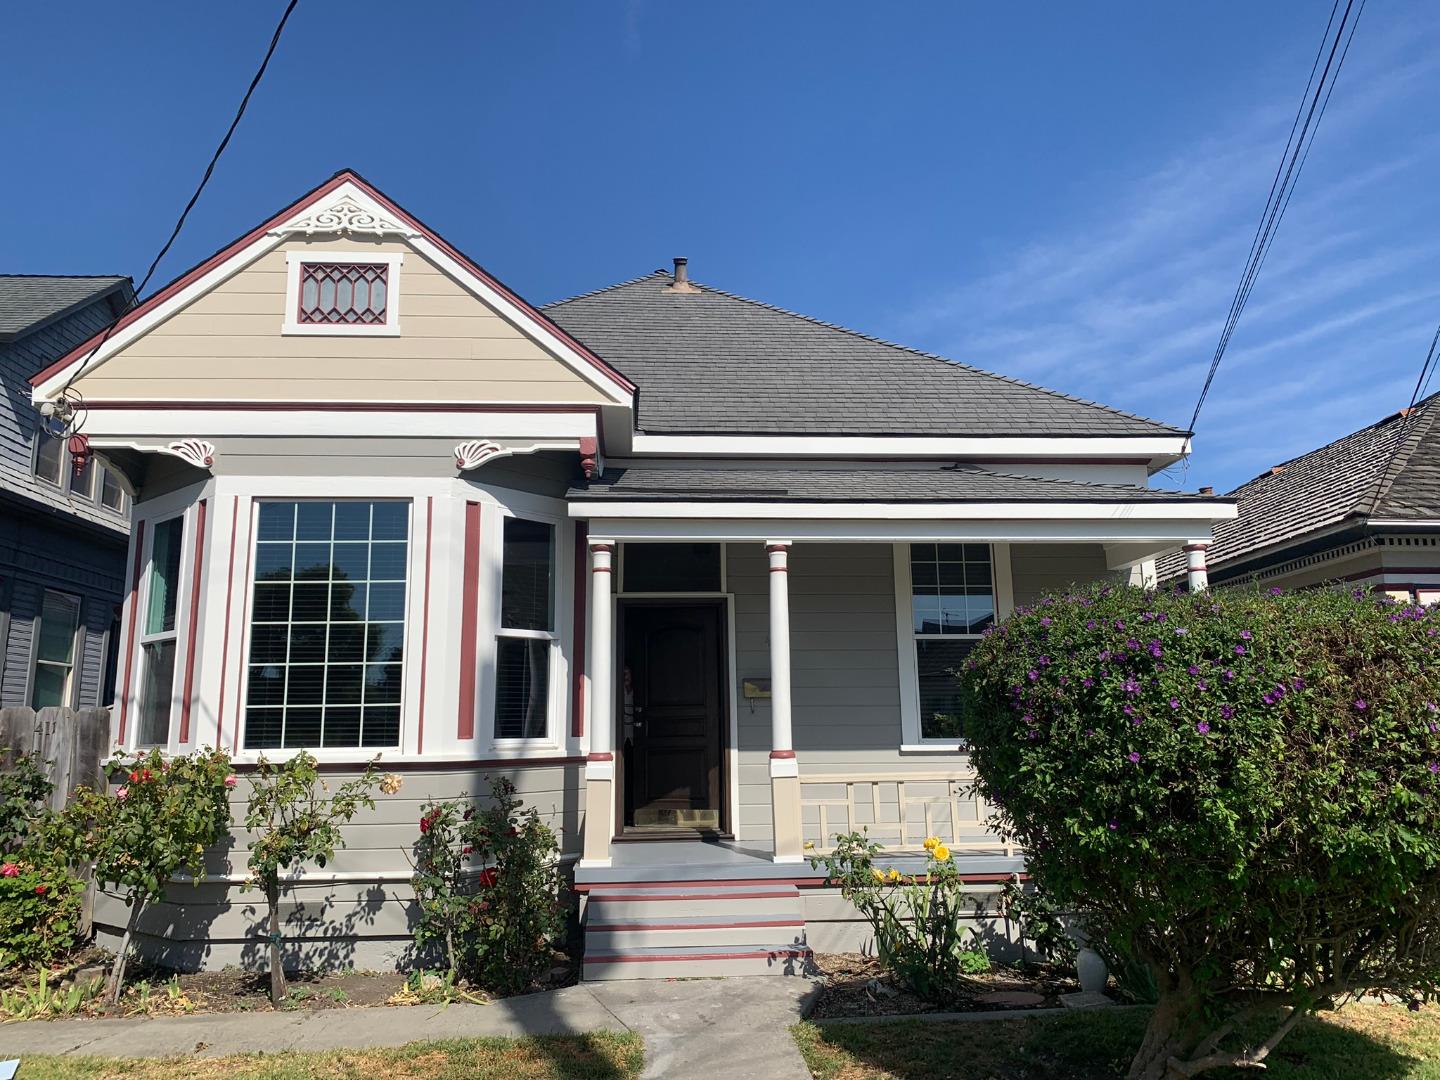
[1306, 764]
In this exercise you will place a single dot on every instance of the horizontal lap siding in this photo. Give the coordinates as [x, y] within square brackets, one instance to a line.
[1039, 570]
[228, 343]
[366, 918]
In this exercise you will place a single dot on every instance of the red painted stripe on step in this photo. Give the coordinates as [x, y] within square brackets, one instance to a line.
[594, 899]
[765, 954]
[605, 928]
[596, 887]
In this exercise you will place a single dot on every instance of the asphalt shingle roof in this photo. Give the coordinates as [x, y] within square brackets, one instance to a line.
[27, 300]
[954, 483]
[710, 362]
[1388, 470]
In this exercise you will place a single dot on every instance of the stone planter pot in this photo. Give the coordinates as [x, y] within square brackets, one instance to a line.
[1091, 970]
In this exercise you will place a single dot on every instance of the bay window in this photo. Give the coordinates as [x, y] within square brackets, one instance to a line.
[526, 643]
[327, 625]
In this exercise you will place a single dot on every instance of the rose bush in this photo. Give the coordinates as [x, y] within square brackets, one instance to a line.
[40, 896]
[1240, 790]
[488, 888]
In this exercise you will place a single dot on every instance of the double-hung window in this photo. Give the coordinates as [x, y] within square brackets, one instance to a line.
[52, 683]
[526, 643]
[952, 602]
[327, 633]
[158, 633]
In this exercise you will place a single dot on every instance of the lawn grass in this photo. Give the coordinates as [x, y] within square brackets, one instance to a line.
[600, 1056]
[1372, 1042]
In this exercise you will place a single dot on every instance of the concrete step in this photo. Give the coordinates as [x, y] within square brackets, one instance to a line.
[606, 934]
[698, 962]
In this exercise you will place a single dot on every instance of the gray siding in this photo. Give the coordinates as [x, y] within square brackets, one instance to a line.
[1041, 569]
[366, 918]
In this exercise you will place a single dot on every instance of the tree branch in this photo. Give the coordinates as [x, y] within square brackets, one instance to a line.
[1246, 1059]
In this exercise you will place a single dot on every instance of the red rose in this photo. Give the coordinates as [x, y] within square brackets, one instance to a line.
[487, 879]
[134, 776]
[40, 890]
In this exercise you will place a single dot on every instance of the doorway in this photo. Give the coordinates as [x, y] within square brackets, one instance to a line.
[672, 718]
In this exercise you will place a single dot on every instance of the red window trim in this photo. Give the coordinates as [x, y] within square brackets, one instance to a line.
[377, 271]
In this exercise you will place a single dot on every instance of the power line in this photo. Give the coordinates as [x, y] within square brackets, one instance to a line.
[194, 198]
[1287, 174]
[1422, 385]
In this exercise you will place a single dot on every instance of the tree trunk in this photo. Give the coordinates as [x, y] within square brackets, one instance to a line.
[117, 970]
[278, 989]
[1168, 1035]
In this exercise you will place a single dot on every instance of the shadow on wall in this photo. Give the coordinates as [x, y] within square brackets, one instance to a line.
[318, 934]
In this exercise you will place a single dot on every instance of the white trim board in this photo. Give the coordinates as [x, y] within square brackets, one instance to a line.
[369, 420]
[1138, 510]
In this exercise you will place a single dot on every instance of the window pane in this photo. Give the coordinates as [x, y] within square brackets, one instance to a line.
[59, 619]
[48, 457]
[50, 687]
[80, 482]
[522, 688]
[112, 495]
[164, 577]
[310, 685]
[526, 592]
[671, 567]
[344, 293]
[159, 680]
[942, 710]
[951, 589]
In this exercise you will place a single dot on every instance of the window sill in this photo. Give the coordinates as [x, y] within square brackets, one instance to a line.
[953, 747]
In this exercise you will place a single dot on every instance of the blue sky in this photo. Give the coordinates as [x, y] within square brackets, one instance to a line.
[1064, 193]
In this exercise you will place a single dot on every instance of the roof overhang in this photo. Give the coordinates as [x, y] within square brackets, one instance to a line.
[345, 203]
[1154, 451]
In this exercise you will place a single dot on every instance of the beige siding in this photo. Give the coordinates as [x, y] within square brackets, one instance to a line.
[845, 685]
[364, 919]
[228, 344]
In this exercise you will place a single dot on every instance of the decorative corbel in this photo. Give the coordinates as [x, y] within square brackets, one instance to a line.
[345, 217]
[474, 453]
[592, 462]
[197, 452]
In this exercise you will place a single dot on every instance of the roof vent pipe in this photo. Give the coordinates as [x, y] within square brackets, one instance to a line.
[681, 284]
[1207, 490]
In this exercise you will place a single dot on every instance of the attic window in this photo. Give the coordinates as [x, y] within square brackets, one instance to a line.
[343, 292]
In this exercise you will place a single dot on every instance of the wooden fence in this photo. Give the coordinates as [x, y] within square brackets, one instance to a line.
[69, 744]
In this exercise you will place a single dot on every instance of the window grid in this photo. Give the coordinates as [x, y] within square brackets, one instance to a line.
[347, 294]
[526, 642]
[952, 589]
[342, 649]
[159, 632]
[53, 680]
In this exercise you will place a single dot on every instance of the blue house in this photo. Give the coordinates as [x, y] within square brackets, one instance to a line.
[63, 534]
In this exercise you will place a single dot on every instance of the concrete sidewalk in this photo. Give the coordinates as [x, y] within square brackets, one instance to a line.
[702, 1028]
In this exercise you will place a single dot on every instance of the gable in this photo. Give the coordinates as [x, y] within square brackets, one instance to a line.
[219, 332]
[229, 344]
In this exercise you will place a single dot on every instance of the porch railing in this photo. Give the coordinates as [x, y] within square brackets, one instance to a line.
[898, 810]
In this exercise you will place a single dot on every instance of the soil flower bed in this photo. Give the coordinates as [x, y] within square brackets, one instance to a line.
[857, 985]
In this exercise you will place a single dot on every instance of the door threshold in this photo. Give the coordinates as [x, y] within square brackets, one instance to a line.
[631, 834]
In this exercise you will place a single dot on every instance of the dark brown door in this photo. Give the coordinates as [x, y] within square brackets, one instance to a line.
[672, 707]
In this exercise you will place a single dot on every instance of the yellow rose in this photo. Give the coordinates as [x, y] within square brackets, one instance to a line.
[809, 845]
[941, 853]
[931, 843]
[893, 875]
[877, 874]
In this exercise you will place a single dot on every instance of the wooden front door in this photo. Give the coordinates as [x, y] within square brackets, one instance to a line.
[672, 715]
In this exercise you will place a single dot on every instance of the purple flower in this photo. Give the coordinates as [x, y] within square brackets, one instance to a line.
[1129, 710]
[1174, 703]
[1044, 661]
[1160, 617]
[1034, 734]
[1155, 650]
[1203, 727]
[1132, 643]
[1045, 621]
[1201, 684]
[1180, 631]
[1361, 705]
[1246, 634]
[1130, 686]
[1435, 766]
[1269, 699]
[1358, 594]
[1087, 682]
[1028, 718]
[1227, 711]
[1239, 650]
[1089, 732]
[1276, 591]
[1228, 675]
[1114, 824]
[1134, 757]
[1089, 624]
[1119, 624]
[1297, 684]
[1194, 669]
[1104, 655]
[1033, 675]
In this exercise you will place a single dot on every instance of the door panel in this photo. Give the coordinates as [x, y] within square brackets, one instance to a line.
[673, 713]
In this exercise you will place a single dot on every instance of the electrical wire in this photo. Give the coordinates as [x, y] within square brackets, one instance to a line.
[67, 391]
[1422, 386]
[1313, 104]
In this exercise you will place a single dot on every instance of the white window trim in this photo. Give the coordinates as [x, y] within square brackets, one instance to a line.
[98, 472]
[491, 578]
[71, 683]
[911, 741]
[411, 621]
[294, 260]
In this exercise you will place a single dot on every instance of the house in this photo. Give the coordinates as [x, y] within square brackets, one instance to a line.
[691, 568]
[1364, 509]
[62, 531]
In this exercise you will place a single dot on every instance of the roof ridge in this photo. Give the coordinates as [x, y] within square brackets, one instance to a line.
[922, 353]
[71, 277]
[1400, 457]
[1423, 403]
[1065, 480]
[604, 289]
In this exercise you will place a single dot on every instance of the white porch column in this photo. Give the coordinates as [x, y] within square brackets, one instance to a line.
[1197, 573]
[600, 762]
[784, 769]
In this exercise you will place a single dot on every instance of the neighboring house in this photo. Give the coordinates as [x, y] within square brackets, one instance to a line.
[1364, 510]
[692, 569]
[62, 533]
